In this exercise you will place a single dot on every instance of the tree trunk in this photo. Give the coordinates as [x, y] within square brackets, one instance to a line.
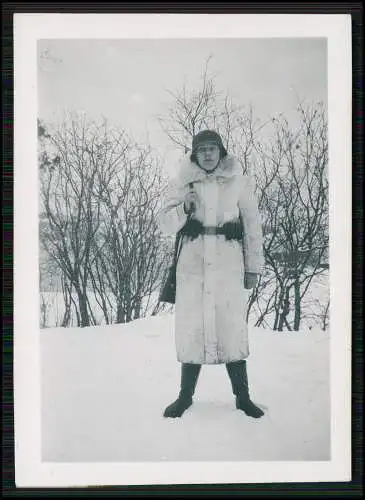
[278, 308]
[84, 315]
[66, 317]
[326, 317]
[43, 312]
[277, 316]
[137, 309]
[285, 311]
[67, 299]
[128, 316]
[297, 305]
[120, 313]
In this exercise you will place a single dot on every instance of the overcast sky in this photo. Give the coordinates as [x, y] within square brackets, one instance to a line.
[126, 80]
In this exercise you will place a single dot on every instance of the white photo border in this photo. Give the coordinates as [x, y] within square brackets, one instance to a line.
[30, 471]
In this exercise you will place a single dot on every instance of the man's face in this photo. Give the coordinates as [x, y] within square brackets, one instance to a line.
[208, 155]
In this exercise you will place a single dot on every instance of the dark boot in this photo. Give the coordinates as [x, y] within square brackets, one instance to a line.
[237, 372]
[189, 377]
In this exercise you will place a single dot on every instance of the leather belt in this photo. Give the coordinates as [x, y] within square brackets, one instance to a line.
[212, 231]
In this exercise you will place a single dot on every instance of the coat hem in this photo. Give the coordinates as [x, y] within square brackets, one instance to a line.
[221, 361]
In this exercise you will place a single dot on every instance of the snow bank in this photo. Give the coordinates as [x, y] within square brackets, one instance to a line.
[104, 390]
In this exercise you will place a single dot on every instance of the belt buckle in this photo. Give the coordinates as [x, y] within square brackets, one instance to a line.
[210, 230]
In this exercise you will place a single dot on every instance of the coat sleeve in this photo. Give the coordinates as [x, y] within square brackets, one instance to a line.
[252, 227]
[172, 217]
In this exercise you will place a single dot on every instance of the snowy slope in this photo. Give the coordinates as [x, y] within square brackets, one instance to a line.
[104, 390]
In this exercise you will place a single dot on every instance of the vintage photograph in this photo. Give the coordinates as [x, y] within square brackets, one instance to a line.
[187, 299]
[222, 144]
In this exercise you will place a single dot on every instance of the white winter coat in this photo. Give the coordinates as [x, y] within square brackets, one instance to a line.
[211, 301]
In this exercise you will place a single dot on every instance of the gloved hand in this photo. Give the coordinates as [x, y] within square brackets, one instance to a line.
[232, 230]
[191, 201]
[250, 280]
[193, 228]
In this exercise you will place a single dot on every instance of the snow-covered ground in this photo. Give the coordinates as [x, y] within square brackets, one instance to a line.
[104, 390]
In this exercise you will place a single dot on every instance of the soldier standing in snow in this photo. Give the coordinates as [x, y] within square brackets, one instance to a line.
[221, 256]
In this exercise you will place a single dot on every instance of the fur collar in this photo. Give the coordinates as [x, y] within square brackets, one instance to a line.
[190, 172]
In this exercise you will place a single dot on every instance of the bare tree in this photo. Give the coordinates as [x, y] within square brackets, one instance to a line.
[99, 196]
[128, 253]
[293, 192]
[203, 107]
[67, 182]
